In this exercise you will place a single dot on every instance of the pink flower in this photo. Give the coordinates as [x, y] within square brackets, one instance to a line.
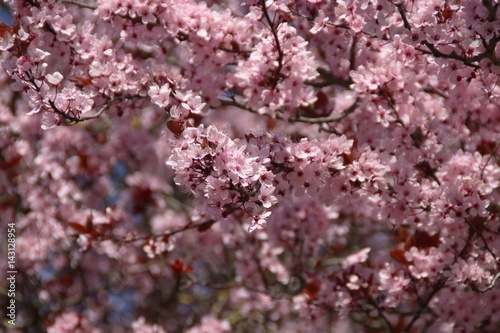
[319, 22]
[55, 78]
[259, 221]
[356, 258]
[160, 95]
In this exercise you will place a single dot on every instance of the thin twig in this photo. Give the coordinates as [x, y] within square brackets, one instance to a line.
[439, 284]
[298, 118]
[311, 19]
[432, 90]
[402, 12]
[493, 154]
[329, 80]
[329, 119]
[276, 38]
[165, 234]
[381, 314]
[491, 285]
[488, 53]
[79, 4]
[80, 119]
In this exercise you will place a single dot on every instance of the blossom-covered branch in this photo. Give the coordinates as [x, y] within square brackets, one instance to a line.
[278, 166]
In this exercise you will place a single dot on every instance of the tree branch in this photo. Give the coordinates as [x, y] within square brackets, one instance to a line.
[402, 12]
[329, 119]
[329, 79]
[439, 285]
[80, 119]
[165, 234]
[278, 46]
[79, 4]
[298, 118]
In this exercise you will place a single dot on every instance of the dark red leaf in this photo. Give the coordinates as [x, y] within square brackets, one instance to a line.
[78, 227]
[174, 127]
[423, 240]
[399, 256]
[4, 28]
[312, 288]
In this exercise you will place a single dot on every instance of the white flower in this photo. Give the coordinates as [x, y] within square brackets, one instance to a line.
[259, 221]
[319, 22]
[55, 78]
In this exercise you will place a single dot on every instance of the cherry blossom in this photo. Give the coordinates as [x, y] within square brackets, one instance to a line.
[252, 166]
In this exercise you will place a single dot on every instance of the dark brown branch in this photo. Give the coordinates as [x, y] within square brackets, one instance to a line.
[329, 79]
[162, 235]
[424, 305]
[311, 19]
[432, 90]
[234, 102]
[492, 9]
[352, 53]
[298, 118]
[276, 39]
[491, 285]
[63, 114]
[330, 119]
[492, 155]
[402, 12]
[453, 55]
[80, 119]
[381, 314]
[79, 4]
[489, 52]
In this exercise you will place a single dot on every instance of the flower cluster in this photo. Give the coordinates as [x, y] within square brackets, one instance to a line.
[331, 165]
[219, 169]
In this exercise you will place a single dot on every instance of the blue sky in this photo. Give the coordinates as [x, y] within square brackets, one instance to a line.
[5, 15]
